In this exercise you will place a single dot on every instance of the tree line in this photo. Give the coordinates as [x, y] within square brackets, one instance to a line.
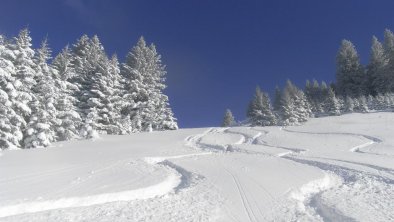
[79, 93]
[357, 88]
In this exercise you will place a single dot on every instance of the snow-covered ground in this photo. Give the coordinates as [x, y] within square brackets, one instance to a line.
[330, 169]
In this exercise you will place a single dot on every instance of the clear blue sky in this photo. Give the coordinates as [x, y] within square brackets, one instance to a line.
[216, 51]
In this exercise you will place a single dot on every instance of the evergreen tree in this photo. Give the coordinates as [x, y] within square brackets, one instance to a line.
[277, 99]
[24, 100]
[331, 103]
[350, 75]
[349, 104]
[362, 104]
[375, 81]
[294, 105]
[11, 123]
[22, 56]
[40, 131]
[371, 102]
[386, 81]
[95, 87]
[380, 102]
[228, 119]
[148, 108]
[260, 112]
[69, 119]
[314, 97]
[287, 114]
[121, 124]
[311, 96]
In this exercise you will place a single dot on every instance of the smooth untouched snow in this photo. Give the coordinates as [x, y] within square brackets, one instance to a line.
[330, 169]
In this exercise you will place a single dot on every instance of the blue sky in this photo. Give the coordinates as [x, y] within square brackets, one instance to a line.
[216, 51]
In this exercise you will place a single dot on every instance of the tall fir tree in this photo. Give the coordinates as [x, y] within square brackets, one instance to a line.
[40, 131]
[145, 73]
[23, 55]
[375, 80]
[25, 101]
[277, 99]
[386, 83]
[11, 122]
[95, 81]
[69, 119]
[349, 72]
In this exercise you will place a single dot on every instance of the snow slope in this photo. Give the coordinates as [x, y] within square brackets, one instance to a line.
[330, 169]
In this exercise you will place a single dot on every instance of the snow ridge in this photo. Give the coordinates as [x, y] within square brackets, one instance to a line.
[162, 188]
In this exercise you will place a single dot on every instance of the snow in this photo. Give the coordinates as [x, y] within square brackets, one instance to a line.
[329, 169]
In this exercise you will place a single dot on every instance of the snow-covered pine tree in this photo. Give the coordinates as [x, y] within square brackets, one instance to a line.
[371, 102]
[24, 101]
[79, 61]
[115, 99]
[362, 104]
[356, 105]
[375, 80]
[331, 103]
[11, 123]
[314, 95]
[349, 74]
[341, 103]
[386, 81]
[22, 58]
[260, 112]
[277, 99]
[40, 130]
[145, 83]
[380, 102]
[94, 81]
[303, 108]
[318, 92]
[389, 101]
[228, 119]
[349, 104]
[286, 113]
[102, 89]
[310, 96]
[69, 119]
[294, 105]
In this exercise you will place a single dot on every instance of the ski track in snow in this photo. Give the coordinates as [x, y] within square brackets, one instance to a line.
[329, 198]
[349, 177]
[309, 197]
[178, 179]
[372, 140]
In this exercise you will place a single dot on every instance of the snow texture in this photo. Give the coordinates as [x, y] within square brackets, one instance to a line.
[329, 169]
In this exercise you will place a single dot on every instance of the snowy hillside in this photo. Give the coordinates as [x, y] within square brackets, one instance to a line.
[330, 169]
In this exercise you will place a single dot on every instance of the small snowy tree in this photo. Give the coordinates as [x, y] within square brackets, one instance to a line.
[228, 119]
[287, 114]
[362, 105]
[331, 103]
[260, 112]
[349, 104]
